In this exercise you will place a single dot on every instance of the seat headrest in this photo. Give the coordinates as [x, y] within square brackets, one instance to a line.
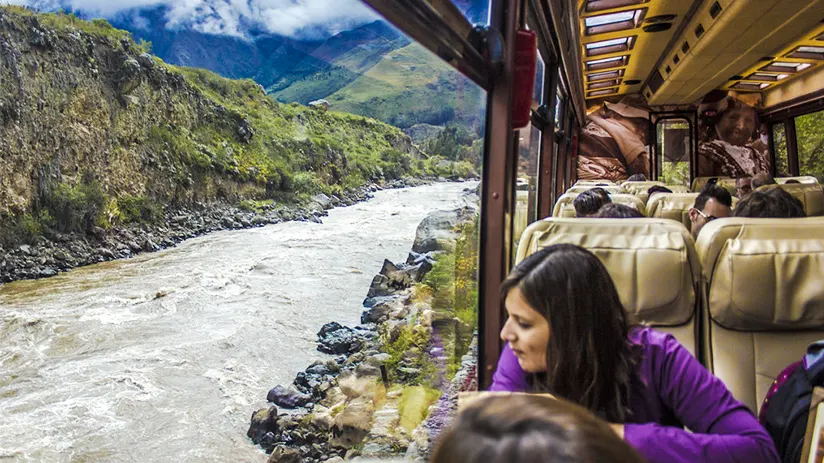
[595, 183]
[582, 188]
[629, 200]
[679, 188]
[652, 261]
[802, 179]
[639, 187]
[764, 274]
[699, 182]
[811, 196]
[673, 206]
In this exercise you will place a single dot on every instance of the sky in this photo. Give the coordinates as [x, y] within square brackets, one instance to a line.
[293, 18]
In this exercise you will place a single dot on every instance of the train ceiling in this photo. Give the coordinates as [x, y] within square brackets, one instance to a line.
[629, 46]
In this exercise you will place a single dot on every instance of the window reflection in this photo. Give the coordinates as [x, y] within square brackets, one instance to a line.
[780, 146]
[674, 148]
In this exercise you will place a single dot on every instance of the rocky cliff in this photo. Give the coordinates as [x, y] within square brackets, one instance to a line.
[95, 132]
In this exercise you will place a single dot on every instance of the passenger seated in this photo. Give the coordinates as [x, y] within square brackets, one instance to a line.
[657, 189]
[617, 211]
[569, 335]
[761, 179]
[531, 429]
[712, 203]
[637, 178]
[743, 187]
[774, 203]
[590, 201]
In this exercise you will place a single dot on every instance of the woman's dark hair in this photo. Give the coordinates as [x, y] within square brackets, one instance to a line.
[534, 429]
[774, 203]
[637, 178]
[590, 361]
[588, 202]
[618, 211]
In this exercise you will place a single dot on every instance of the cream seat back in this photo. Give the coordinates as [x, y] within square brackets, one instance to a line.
[802, 179]
[679, 188]
[652, 262]
[811, 196]
[763, 298]
[630, 200]
[583, 188]
[699, 182]
[640, 187]
[675, 206]
[595, 183]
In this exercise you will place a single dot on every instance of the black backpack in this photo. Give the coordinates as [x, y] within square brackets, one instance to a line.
[789, 407]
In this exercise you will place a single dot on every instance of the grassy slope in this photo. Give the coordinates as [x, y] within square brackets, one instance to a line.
[402, 88]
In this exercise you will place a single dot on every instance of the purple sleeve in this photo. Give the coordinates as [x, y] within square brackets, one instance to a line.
[509, 376]
[723, 429]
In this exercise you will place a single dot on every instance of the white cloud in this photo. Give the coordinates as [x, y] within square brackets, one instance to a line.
[232, 17]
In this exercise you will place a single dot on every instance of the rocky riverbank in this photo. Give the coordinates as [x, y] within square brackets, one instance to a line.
[393, 383]
[63, 251]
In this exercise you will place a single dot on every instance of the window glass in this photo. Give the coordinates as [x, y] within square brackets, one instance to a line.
[674, 148]
[782, 168]
[476, 12]
[809, 132]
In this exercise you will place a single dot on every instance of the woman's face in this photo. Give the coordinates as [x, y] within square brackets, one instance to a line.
[526, 331]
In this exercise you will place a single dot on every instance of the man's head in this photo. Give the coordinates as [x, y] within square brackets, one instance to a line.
[737, 123]
[761, 179]
[587, 203]
[774, 203]
[637, 178]
[743, 187]
[712, 203]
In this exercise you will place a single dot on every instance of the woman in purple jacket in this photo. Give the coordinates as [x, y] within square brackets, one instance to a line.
[568, 334]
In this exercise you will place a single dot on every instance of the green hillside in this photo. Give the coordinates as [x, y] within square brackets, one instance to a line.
[410, 86]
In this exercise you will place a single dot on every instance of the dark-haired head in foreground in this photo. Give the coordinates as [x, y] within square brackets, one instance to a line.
[531, 429]
[712, 203]
[618, 211]
[774, 203]
[637, 178]
[587, 203]
[658, 189]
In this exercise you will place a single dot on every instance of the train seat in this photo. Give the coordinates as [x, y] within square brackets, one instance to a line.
[802, 179]
[811, 196]
[727, 182]
[679, 188]
[763, 301]
[652, 261]
[640, 187]
[595, 183]
[564, 206]
[582, 188]
[675, 206]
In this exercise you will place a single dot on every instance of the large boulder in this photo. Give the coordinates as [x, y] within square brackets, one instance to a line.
[288, 397]
[436, 232]
[283, 454]
[353, 423]
[263, 421]
[334, 338]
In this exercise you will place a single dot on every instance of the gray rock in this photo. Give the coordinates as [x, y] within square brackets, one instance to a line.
[437, 230]
[283, 454]
[146, 61]
[263, 421]
[288, 397]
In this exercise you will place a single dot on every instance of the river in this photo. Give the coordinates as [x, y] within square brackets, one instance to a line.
[164, 357]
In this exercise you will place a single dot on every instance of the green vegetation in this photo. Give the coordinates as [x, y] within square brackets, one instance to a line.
[67, 22]
[414, 406]
[782, 168]
[675, 173]
[412, 335]
[809, 130]
[401, 89]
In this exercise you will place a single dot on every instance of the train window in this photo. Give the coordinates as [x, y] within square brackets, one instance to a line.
[809, 133]
[779, 136]
[529, 154]
[673, 150]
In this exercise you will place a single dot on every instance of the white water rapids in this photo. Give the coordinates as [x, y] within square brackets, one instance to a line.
[164, 357]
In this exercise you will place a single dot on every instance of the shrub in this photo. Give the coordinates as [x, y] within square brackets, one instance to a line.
[75, 208]
[139, 209]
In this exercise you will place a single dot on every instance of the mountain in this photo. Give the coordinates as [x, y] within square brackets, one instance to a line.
[91, 125]
[371, 70]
